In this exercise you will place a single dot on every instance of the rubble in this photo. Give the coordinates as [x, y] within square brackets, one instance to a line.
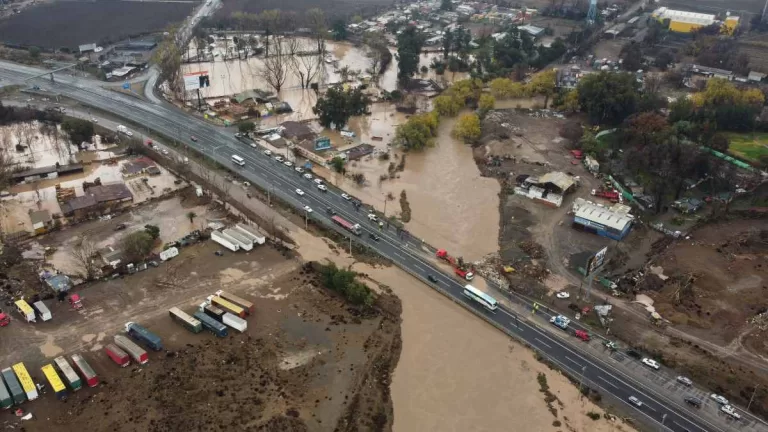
[488, 267]
[533, 249]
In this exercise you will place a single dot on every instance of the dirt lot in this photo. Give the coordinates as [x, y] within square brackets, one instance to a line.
[306, 362]
[71, 23]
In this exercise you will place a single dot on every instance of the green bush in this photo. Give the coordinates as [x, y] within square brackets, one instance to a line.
[593, 415]
[343, 282]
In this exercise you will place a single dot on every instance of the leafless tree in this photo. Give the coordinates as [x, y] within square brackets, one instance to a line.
[377, 44]
[305, 65]
[318, 25]
[6, 167]
[277, 63]
[83, 253]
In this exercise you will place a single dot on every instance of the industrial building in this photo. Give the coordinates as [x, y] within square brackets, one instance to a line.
[688, 22]
[614, 223]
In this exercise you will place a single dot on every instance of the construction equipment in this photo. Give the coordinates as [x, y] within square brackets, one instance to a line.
[462, 269]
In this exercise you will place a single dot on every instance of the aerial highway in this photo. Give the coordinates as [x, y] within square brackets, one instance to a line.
[661, 408]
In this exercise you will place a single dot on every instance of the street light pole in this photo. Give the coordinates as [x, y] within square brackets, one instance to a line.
[664, 417]
[581, 380]
[306, 219]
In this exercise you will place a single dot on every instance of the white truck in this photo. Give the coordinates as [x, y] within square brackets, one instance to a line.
[225, 241]
[124, 130]
[235, 322]
[249, 232]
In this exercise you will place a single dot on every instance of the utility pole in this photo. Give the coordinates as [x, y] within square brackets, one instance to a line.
[664, 417]
[581, 380]
[306, 219]
[755, 390]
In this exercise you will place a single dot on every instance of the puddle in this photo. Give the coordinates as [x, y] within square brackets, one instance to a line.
[49, 348]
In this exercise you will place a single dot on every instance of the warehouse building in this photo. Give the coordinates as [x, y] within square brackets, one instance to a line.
[688, 22]
[597, 219]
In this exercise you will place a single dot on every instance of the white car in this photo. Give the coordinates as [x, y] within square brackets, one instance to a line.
[346, 197]
[372, 217]
[299, 170]
[563, 295]
[308, 209]
[129, 133]
[322, 188]
[165, 152]
[684, 380]
[256, 146]
[730, 411]
[288, 164]
[266, 152]
[279, 158]
[299, 192]
[318, 181]
[635, 401]
[308, 176]
[719, 399]
[653, 364]
[94, 120]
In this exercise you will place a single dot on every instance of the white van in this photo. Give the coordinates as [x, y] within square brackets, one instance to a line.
[42, 311]
[238, 160]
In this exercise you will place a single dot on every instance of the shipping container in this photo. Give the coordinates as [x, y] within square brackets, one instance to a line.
[183, 318]
[6, 401]
[85, 370]
[59, 389]
[137, 353]
[227, 306]
[29, 387]
[235, 322]
[211, 324]
[42, 311]
[243, 303]
[17, 393]
[141, 334]
[69, 374]
[214, 312]
[25, 310]
[117, 355]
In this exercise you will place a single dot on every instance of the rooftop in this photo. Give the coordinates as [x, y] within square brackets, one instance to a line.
[683, 16]
[111, 192]
[601, 215]
[59, 283]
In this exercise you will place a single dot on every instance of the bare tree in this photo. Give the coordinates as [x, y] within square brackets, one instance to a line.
[83, 254]
[319, 27]
[377, 44]
[271, 22]
[277, 63]
[305, 65]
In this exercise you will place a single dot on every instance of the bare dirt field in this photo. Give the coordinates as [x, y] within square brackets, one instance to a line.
[68, 24]
[306, 362]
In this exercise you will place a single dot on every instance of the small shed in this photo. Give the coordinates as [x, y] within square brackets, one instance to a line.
[60, 283]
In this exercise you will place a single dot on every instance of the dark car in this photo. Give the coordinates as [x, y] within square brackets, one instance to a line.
[374, 237]
[634, 354]
[330, 211]
[121, 227]
[693, 401]
[432, 278]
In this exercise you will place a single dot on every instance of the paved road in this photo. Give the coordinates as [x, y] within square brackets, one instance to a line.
[662, 408]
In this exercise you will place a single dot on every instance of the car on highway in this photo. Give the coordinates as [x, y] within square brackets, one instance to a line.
[299, 192]
[694, 401]
[374, 237]
[288, 164]
[238, 135]
[268, 152]
[330, 211]
[372, 217]
[653, 364]
[635, 401]
[193, 138]
[431, 278]
[322, 187]
[634, 354]
[308, 176]
[563, 295]
[731, 411]
[308, 209]
[719, 399]
[299, 170]
[254, 145]
[684, 381]
[94, 120]
[318, 181]
[279, 158]
[346, 197]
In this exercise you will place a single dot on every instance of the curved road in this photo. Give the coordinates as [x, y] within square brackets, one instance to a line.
[663, 407]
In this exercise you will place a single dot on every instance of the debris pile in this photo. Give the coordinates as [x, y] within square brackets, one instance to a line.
[534, 271]
[488, 267]
[533, 249]
[760, 320]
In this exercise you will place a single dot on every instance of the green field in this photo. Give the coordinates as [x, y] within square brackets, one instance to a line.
[748, 146]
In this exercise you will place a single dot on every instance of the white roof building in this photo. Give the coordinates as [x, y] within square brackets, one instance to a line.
[683, 16]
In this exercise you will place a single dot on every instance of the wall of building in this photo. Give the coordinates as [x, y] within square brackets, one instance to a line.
[683, 27]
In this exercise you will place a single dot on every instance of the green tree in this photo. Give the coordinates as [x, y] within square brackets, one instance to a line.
[191, 216]
[338, 164]
[78, 130]
[543, 83]
[409, 44]
[609, 97]
[418, 132]
[631, 56]
[167, 57]
[485, 104]
[246, 127]
[448, 105]
[337, 105]
[467, 128]
[447, 43]
[137, 245]
[153, 231]
[339, 30]
[34, 52]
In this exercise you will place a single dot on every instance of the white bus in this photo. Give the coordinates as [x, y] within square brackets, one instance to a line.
[238, 160]
[484, 299]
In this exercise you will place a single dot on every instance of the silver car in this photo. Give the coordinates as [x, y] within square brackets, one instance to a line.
[635, 401]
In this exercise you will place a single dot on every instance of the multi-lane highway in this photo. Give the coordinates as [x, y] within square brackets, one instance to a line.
[663, 407]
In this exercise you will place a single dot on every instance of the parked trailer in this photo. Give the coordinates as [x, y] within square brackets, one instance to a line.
[59, 389]
[224, 241]
[42, 311]
[141, 334]
[235, 322]
[6, 401]
[183, 318]
[25, 310]
[137, 353]
[243, 303]
[29, 387]
[213, 312]
[227, 306]
[117, 355]
[249, 232]
[85, 370]
[244, 242]
[17, 393]
[211, 324]
[70, 376]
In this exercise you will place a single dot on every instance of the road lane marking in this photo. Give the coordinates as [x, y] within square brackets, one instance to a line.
[574, 362]
[542, 342]
[607, 382]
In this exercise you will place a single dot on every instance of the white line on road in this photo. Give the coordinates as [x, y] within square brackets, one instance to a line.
[542, 342]
[607, 382]
[398, 255]
[574, 361]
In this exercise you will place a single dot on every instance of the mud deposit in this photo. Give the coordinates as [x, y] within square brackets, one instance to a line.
[308, 362]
